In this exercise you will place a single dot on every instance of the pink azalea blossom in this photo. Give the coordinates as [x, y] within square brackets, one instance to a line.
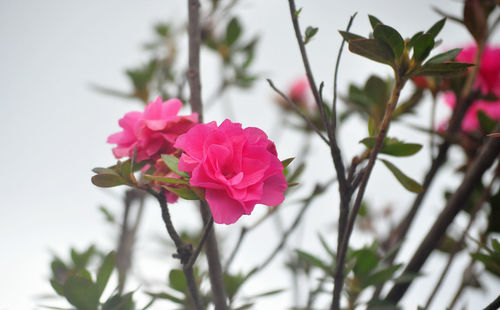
[238, 168]
[153, 132]
[300, 93]
[487, 81]
[161, 170]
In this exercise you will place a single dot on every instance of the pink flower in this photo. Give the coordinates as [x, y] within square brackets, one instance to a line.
[161, 170]
[300, 93]
[238, 168]
[153, 132]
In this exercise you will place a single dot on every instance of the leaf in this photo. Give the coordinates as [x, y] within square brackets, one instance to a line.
[314, 261]
[374, 21]
[266, 294]
[57, 287]
[118, 302]
[390, 36]
[487, 124]
[366, 261]
[287, 161]
[104, 272]
[310, 33]
[105, 171]
[233, 283]
[423, 47]
[393, 146]
[447, 69]
[233, 31]
[166, 179]
[414, 39]
[81, 293]
[177, 280]
[107, 180]
[373, 49]
[172, 163]
[446, 56]
[164, 295]
[381, 276]
[183, 192]
[350, 36]
[436, 28]
[406, 181]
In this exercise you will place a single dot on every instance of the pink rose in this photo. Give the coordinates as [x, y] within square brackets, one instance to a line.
[153, 131]
[238, 168]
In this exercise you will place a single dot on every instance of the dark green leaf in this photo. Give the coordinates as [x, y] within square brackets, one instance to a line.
[487, 123]
[414, 39]
[177, 280]
[118, 302]
[81, 293]
[107, 180]
[443, 69]
[287, 161]
[373, 49]
[105, 171]
[57, 287]
[366, 261]
[244, 307]
[266, 294]
[233, 31]
[107, 214]
[381, 276]
[104, 272]
[446, 56]
[165, 179]
[423, 47]
[374, 21]
[393, 146]
[495, 245]
[310, 33]
[167, 296]
[350, 36]
[183, 192]
[314, 261]
[406, 181]
[436, 28]
[390, 36]
[233, 284]
[298, 12]
[172, 163]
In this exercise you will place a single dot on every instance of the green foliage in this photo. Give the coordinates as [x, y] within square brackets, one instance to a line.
[407, 182]
[490, 258]
[393, 146]
[172, 163]
[310, 33]
[233, 31]
[119, 174]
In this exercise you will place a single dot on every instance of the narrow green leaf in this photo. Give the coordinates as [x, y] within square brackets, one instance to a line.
[414, 39]
[107, 180]
[446, 56]
[183, 192]
[446, 69]
[436, 28]
[393, 146]
[423, 47]
[266, 294]
[233, 31]
[57, 287]
[495, 245]
[373, 49]
[350, 36]
[233, 283]
[287, 161]
[366, 261]
[164, 295]
[381, 276]
[297, 13]
[172, 163]
[118, 302]
[81, 293]
[105, 171]
[104, 272]
[177, 280]
[390, 36]
[374, 21]
[310, 33]
[314, 261]
[406, 181]
[166, 179]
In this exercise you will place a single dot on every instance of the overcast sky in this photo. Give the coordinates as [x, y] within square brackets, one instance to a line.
[53, 126]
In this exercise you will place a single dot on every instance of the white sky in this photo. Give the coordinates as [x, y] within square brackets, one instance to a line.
[53, 127]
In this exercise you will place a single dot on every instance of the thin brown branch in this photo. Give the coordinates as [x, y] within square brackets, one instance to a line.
[204, 237]
[494, 305]
[298, 111]
[342, 250]
[487, 154]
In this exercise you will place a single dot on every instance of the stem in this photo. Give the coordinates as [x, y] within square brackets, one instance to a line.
[487, 154]
[339, 268]
[495, 304]
[204, 236]
[212, 252]
[484, 196]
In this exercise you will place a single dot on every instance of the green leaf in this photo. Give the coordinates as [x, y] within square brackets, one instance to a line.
[350, 36]
[107, 180]
[104, 272]
[233, 283]
[298, 12]
[287, 161]
[373, 49]
[436, 28]
[314, 261]
[393, 146]
[57, 287]
[487, 123]
[446, 56]
[172, 163]
[118, 302]
[233, 31]
[374, 21]
[166, 179]
[183, 192]
[177, 280]
[390, 36]
[266, 294]
[105, 171]
[423, 47]
[447, 69]
[495, 245]
[164, 295]
[366, 261]
[310, 33]
[81, 293]
[414, 39]
[406, 181]
[381, 276]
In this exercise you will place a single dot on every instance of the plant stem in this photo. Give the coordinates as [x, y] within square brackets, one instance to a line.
[495, 304]
[212, 252]
[339, 268]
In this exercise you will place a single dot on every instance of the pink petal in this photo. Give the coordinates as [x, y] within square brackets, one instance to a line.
[274, 188]
[224, 209]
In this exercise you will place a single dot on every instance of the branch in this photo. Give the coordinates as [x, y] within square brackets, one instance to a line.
[204, 237]
[495, 304]
[339, 268]
[485, 158]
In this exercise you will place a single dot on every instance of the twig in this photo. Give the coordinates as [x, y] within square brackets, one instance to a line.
[494, 305]
[483, 161]
[342, 250]
[335, 75]
[296, 109]
[212, 252]
[197, 250]
[484, 196]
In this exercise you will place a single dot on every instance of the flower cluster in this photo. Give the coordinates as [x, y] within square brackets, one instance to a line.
[238, 168]
[152, 132]
[487, 82]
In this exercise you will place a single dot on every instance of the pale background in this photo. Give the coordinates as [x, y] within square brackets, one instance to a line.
[53, 129]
